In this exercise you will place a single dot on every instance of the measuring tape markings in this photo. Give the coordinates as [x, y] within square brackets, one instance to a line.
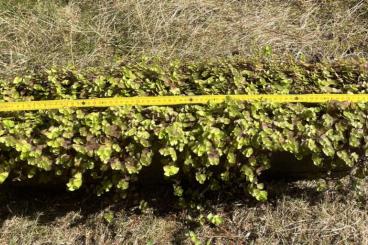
[177, 100]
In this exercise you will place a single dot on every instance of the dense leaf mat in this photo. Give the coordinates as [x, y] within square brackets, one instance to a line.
[197, 147]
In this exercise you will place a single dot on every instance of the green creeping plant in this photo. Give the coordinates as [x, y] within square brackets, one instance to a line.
[209, 146]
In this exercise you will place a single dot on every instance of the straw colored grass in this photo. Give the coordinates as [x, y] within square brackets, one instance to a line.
[96, 32]
[295, 213]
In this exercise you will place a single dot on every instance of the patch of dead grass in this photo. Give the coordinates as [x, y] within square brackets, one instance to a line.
[86, 32]
[295, 213]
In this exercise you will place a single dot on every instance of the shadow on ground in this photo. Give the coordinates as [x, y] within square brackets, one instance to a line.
[293, 211]
[49, 204]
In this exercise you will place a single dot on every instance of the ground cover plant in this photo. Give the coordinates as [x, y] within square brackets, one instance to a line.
[213, 145]
[325, 39]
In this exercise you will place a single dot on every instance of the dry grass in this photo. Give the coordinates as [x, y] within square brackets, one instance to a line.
[88, 32]
[295, 213]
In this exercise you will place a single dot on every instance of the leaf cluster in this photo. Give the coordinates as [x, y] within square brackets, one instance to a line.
[210, 146]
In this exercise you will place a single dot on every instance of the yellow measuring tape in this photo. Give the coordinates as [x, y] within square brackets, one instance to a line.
[177, 100]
